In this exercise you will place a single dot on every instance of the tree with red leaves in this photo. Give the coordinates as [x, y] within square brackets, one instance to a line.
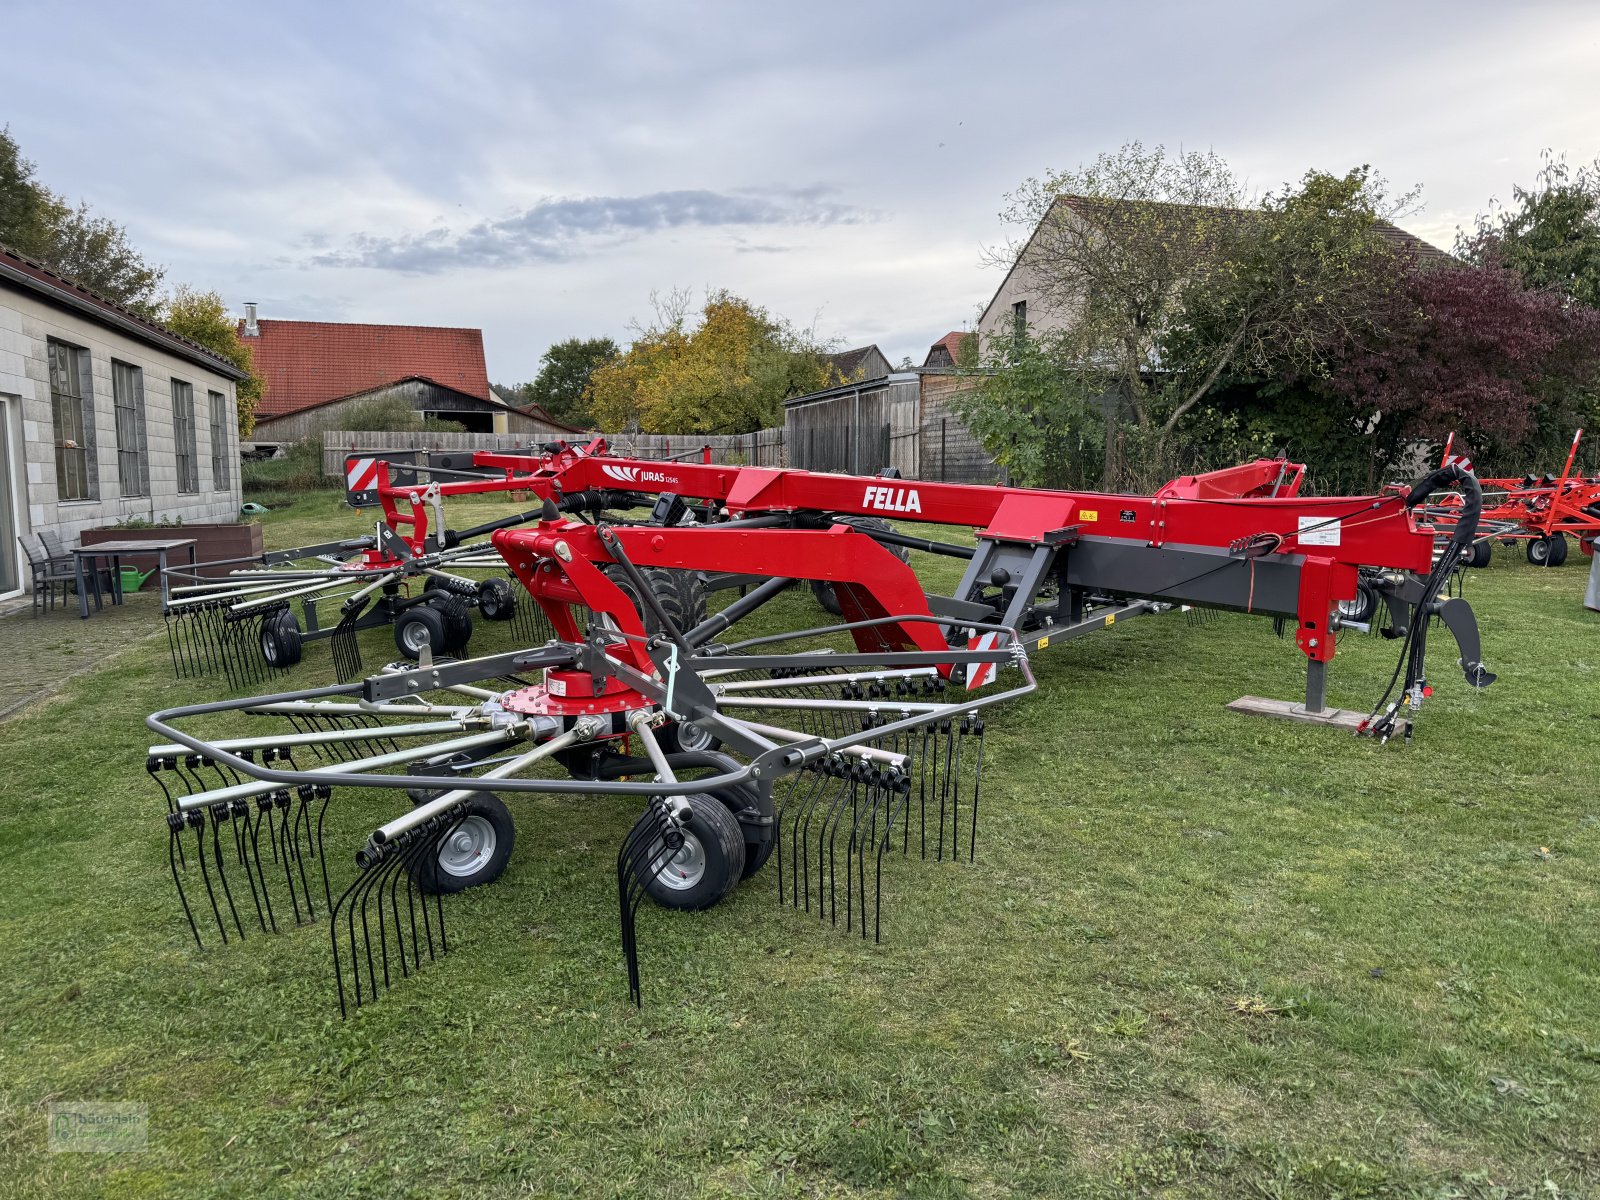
[1477, 351]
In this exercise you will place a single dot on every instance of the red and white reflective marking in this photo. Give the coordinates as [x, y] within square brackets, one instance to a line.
[360, 473]
[979, 674]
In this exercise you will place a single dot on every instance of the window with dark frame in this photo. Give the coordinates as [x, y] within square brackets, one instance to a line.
[219, 442]
[72, 422]
[133, 447]
[1019, 319]
[183, 438]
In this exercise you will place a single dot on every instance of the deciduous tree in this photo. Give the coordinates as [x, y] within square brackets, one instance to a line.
[1477, 351]
[562, 384]
[202, 317]
[727, 373]
[1161, 288]
[71, 239]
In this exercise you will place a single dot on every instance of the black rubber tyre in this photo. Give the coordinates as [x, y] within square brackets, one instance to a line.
[1479, 554]
[475, 852]
[1558, 549]
[457, 614]
[1362, 606]
[419, 626]
[822, 589]
[281, 646]
[736, 799]
[710, 863]
[497, 599]
[668, 591]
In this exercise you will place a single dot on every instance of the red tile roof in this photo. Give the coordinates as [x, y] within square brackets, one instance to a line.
[950, 343]
[306, 363]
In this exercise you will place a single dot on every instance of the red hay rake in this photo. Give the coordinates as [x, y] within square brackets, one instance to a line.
[824, 750]
[1541, 511]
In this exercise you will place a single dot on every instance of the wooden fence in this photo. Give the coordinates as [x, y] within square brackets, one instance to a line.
[763, 448]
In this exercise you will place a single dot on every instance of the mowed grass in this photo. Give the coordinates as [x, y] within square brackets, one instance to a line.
[1199, 954]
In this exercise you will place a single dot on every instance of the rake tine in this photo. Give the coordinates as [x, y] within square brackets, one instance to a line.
[830, 826]
[236, 809]
[174, 853]
[957, 739]
[901, 788]
[263, 812]
[380, 879]
[154, 766]
[197, 822]
[802, 838]
[218, 811]
[637, 867]
[975, 724]
[280, 805]
[324, 792]
[344, 645]
[303, 814]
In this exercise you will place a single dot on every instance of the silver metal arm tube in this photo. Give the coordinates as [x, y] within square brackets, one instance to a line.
[639, 722]
[752, 685]
[582, 730]
[866, 753]
[368, 734]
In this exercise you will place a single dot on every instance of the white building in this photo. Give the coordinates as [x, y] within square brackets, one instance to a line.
[105, 417]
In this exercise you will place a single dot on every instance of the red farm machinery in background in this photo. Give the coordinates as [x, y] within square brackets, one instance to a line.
[1540, 511]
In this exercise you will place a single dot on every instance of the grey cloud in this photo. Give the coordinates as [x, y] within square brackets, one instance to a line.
[558, 229]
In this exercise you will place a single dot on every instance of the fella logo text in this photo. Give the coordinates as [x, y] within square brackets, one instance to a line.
[892, 499]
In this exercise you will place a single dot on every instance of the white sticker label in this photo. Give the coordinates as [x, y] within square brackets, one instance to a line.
[1319, 531]
[556, 687]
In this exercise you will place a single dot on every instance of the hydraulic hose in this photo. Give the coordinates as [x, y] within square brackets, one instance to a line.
[1413, 652]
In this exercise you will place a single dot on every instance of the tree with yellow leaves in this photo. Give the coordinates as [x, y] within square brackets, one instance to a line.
[727, 373]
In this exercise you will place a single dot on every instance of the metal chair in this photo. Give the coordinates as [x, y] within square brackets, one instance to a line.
[98, 578]
[47, 572]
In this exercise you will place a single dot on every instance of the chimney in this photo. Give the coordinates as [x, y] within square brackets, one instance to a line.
[251, 329]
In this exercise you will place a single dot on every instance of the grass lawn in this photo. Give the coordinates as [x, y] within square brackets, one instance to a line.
[1200, 954]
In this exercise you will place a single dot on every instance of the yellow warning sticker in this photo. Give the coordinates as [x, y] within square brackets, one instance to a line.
[1088, 514]
[1043, 642]
[1111, 619]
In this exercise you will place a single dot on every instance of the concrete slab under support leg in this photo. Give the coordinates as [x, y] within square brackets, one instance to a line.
[1315, 709]
[1290, 710]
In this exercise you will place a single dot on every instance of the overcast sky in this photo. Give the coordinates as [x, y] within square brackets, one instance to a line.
[539, 169]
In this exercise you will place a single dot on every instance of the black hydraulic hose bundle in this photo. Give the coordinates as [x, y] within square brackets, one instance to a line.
[1381, 722]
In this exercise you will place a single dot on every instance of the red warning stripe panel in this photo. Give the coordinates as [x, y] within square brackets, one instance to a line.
[361, 473]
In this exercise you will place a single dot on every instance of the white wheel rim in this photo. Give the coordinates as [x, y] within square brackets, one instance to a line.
[1349, 608]
[416, 636]
[469, 847]
[693, 738]
[686, 867]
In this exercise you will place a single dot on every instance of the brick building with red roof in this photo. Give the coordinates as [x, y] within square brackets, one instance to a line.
[313, 369]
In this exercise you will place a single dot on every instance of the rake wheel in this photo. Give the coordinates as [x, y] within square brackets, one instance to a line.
[497, 600]
[707, 866]
[1362, 605]
[281, 646]
[475, 852]
[677, 600]
[1548, 551]
[418, 628]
